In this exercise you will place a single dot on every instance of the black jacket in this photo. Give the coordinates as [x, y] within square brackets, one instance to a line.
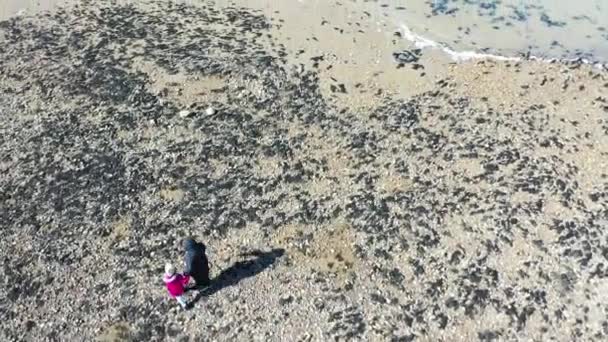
[197, 264]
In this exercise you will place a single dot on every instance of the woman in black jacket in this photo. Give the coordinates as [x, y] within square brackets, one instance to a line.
[197, 265]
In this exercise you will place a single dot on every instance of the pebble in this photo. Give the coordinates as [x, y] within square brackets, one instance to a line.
[184, 113]
[210, 111]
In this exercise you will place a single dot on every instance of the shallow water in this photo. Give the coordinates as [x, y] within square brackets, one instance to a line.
[543, 28]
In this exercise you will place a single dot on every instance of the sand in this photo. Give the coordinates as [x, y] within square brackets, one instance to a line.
[342, 196]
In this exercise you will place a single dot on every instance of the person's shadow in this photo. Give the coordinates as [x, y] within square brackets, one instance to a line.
[239, 271]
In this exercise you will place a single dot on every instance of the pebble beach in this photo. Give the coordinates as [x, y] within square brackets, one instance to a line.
[350, 183]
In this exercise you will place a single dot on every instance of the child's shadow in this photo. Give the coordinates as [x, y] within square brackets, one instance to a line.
[239, 271]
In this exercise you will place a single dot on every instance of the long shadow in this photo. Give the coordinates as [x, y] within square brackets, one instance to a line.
[240, 270]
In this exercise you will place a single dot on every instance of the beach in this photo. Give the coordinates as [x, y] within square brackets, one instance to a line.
[353, 178]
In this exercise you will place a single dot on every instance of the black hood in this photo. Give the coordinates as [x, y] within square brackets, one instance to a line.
[189, 244]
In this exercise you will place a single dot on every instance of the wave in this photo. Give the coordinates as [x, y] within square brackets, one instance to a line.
[422, 42]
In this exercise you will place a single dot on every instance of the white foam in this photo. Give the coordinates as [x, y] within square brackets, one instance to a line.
[418, 40]
[421, 42]
[459, 56]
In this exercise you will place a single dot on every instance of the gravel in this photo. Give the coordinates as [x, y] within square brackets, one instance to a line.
[413, 220]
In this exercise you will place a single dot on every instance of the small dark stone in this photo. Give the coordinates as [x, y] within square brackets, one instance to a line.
[405, 57]
[286, 300]
[487, 335]
[29, 325]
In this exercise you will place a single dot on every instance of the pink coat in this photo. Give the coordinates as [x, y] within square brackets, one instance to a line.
[176, 284]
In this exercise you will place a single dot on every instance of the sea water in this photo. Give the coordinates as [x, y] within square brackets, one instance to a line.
[563, 29]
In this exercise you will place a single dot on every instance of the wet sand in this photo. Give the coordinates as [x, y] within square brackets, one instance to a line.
[414, 199]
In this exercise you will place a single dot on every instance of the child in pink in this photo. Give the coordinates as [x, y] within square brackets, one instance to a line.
[176, 284]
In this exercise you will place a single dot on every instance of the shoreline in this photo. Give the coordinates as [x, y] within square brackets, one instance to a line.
[467, 55]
